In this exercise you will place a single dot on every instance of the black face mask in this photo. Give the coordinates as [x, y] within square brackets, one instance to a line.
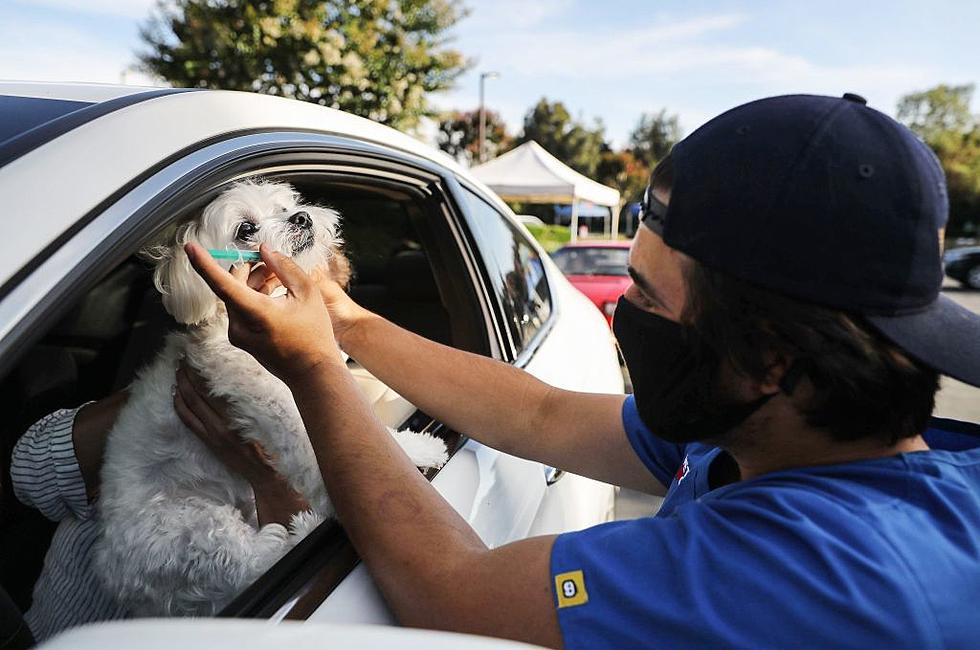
[675, 378]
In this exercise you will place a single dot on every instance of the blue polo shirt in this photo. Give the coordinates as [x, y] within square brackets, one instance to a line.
[881, 553]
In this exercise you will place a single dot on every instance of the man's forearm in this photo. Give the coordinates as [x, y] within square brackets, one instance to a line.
[502, 406]
[487, 399]
[398, 522]
[432, 568]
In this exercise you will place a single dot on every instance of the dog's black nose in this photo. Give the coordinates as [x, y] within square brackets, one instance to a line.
[301, 220]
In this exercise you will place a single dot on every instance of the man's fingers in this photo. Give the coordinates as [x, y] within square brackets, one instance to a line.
[188, 417]
[217, 404]
[188, 374]
[262, 279]
[208, 417]
[241, 272]
[224, 285]
[289, 273]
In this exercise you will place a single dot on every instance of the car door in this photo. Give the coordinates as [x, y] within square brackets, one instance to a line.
[496, 493]
[555, 334]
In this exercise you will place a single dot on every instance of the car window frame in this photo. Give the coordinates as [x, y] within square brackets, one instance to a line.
[109, 234]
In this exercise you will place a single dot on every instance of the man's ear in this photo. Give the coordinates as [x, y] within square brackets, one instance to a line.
[778, 369]
[186, 296]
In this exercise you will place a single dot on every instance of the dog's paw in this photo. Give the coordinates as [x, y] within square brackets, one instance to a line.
[425, 450]
[303, 523]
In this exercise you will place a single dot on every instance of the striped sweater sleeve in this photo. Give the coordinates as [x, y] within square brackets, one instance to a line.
[45, 472]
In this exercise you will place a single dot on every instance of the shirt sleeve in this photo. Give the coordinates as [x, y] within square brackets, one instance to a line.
[952, 435]
[662, 458]
[44, 469]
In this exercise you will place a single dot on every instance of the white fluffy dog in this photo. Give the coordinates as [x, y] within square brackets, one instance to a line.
[179, 533]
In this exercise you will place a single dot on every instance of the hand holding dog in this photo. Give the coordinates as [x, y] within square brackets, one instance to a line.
[206, 416]
[290, 336]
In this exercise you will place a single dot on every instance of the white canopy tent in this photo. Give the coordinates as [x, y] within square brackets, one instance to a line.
[529, 174]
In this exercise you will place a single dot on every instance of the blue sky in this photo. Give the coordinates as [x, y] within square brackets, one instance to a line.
[606, 59]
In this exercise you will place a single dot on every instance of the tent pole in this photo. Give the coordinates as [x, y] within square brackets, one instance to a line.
[615, 220]
[574, 223]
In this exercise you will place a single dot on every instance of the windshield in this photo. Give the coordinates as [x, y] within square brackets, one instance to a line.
[592, 261]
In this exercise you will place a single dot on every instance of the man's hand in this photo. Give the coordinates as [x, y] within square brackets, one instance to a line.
[290, 335]
[207, 417]
[262, 279]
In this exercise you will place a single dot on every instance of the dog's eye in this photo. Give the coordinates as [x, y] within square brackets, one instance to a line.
[246, 231]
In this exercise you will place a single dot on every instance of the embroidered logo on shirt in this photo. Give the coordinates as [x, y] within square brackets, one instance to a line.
[570, 588]
[682, 471]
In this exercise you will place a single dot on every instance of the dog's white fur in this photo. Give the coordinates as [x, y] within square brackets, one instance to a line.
[179, 534]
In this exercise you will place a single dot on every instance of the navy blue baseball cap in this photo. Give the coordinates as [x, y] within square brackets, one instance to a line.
[829, 201]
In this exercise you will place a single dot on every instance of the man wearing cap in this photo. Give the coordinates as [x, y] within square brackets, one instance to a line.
[785, 333]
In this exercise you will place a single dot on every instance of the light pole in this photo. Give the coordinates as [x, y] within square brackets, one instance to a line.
[481, 143]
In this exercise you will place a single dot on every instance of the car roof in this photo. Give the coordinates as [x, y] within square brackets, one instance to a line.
[107, 136]
[83, 92]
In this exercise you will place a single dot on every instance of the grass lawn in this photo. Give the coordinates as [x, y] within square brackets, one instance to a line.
[551, 237]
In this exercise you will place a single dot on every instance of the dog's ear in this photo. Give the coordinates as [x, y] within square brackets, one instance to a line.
[339, 266]
[186, 296]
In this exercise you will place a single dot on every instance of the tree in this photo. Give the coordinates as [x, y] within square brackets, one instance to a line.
[942, 117]
[624, 171]
[573, 143]
[938, 112]
[653, 137]
[374, 58]
[459, 134]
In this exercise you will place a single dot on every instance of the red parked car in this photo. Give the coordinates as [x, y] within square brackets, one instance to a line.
[597, 269]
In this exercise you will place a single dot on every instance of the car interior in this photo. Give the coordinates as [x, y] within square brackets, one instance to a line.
[404, 267]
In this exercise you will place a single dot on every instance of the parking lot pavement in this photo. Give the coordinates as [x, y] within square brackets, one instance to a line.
[631, 504]
[955, 400]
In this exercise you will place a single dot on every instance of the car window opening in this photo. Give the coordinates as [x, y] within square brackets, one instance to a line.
[119, 326]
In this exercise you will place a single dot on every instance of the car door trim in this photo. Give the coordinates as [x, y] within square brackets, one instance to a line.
[517, 357]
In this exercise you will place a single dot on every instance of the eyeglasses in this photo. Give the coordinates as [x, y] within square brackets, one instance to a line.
[653, 212]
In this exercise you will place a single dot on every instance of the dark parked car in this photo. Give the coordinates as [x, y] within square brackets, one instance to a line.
[963, 264]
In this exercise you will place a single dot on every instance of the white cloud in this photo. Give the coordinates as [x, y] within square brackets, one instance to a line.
[671, 50]
[27, 53]
[669, 64]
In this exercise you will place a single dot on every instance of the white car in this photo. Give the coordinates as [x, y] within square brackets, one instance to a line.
[89, 174]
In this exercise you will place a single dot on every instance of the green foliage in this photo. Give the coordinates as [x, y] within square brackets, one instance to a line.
[575, 144]
[942, 117]
[551, 238]
[624, 171]
[374, 58]
[459, 134]
[653, 137]
[938, 112]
